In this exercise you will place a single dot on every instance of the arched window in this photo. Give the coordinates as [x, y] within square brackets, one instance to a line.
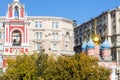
[16, 12]
[16, 38]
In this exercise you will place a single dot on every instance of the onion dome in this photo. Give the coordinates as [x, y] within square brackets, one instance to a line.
[105, 45]
[90, 44]
[96, 39]
[84, 46]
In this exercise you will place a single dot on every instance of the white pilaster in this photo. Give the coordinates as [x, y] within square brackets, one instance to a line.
[109, 27]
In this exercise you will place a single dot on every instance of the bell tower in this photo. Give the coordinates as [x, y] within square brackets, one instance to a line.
[16, 31]
[15, 10]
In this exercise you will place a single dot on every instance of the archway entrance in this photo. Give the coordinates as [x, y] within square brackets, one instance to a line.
[16, 38]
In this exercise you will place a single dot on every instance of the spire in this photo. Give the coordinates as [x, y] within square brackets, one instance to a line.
[16, 0]
[96, 37]
[95, 32]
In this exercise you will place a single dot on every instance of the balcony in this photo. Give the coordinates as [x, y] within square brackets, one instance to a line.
[16, 44]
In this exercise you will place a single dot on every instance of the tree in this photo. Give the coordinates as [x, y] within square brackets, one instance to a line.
[44, 67]
[22, 68]
[78, 67]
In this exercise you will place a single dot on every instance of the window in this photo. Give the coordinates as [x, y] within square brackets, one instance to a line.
[67, 36]
[16, 11]
[55, 36]
[1, 25]
[0, 35]
[38, 35]
[1, 47]
[16, 37]
[38, 24]
[4, 35]
[113, 29]
[76, 41]
[54, 24]
[80, 40]
[54, 47]
[38, 47]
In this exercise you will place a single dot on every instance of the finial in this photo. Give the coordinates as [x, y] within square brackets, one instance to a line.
[96, 37]
[95, 26]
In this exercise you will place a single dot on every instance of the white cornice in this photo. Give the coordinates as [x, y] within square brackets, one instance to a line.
[50, 18]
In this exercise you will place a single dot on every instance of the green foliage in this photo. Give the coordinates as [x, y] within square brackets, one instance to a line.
[78, 67]
[44, 67]
[22, 68]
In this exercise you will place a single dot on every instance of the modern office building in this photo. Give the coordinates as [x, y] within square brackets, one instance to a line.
[20, 33]
[108, 23]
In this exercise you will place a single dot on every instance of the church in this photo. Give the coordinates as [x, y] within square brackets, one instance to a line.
[22, 34]
[94, 47]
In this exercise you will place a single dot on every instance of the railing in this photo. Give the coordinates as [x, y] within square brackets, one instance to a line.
[16, 44]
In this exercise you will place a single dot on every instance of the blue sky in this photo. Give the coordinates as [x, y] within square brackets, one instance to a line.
[80, 10]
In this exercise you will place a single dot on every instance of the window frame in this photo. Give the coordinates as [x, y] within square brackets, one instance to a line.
[55, 25]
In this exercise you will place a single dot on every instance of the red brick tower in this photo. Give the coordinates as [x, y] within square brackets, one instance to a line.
[16, 31]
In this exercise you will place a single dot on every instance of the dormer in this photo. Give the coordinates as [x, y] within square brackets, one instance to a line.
[15, 10]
